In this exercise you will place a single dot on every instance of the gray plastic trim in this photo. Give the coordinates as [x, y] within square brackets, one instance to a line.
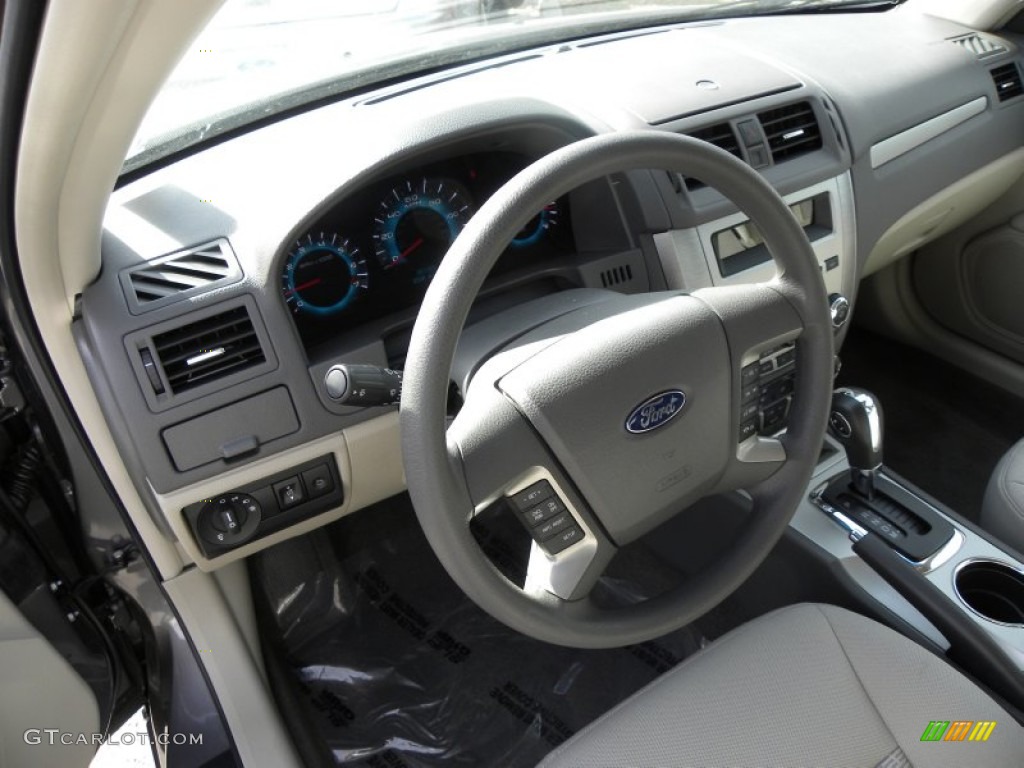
[896, 146]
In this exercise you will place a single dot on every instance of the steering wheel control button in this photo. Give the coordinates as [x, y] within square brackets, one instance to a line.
[750, 392]
[553, 526]
[562, 541]
[765, 398]
[749, 411]
[318, 481]
[531, 496]
[289, 493]
[543, 512]
[747, 430]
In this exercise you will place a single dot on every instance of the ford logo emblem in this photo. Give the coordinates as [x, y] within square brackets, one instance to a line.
[655, 411]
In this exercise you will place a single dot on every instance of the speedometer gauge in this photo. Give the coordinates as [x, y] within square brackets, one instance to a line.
[324, 275]
[417, 221]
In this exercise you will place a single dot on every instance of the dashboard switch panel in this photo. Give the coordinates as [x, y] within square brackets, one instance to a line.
[242, 515]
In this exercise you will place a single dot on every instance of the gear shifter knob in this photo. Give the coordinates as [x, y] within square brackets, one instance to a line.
[856, 422]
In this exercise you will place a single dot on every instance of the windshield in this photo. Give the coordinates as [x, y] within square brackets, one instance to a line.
[258, 58]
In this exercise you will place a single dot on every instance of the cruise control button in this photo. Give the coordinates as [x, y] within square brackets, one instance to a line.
[749, 374]
[563, 540]
[750, 392]
[531, 496]
[543, 512]
[549, 528]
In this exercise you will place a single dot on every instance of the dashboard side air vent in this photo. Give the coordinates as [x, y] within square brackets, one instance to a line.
[791, 130]
[616, 276]
[723, 137]
[978, 45]
[1007, 81]
[178, 275]
[209, 349]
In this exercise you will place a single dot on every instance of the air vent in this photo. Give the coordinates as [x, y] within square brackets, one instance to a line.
[978, 45]
[1007, 81]
[616, 276]
[723, 137]
[208, 349]
[177, 275]
[791, 130]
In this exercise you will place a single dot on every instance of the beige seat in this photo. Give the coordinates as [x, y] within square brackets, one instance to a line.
[807, 685]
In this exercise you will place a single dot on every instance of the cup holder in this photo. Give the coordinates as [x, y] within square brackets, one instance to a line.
[993, 590]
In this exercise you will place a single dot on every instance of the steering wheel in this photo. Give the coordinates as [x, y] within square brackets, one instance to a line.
[614, 412]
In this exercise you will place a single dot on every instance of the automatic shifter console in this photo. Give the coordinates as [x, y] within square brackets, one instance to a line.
[867, 497]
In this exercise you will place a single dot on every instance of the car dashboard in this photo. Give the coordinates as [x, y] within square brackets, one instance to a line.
[236, 277]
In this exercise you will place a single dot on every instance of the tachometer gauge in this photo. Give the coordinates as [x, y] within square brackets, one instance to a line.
[417, 221]
[537, 227]
[324, 275]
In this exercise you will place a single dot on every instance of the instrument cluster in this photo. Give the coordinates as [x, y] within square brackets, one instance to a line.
[376, 252]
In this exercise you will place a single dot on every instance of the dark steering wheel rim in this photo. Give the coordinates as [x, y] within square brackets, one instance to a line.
[434, 477]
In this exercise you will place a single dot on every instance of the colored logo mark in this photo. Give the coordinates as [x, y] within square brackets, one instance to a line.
[958, 730]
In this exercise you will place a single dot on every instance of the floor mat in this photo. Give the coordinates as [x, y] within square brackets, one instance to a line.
[396, 667]
[945, 429]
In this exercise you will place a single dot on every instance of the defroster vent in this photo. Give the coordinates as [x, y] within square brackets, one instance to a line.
[177, 275]
[206, 350]
[791, 130]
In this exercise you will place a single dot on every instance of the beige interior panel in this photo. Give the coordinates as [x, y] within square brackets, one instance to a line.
[233, 669]
[98, 67]
[40, 691]
[946, 210]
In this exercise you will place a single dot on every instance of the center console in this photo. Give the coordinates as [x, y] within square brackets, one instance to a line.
[952, 584]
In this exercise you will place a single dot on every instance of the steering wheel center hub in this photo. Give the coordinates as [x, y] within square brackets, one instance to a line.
[581, 393]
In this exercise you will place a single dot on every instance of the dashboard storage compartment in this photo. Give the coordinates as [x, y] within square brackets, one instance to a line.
[991, 589]
[228, 433]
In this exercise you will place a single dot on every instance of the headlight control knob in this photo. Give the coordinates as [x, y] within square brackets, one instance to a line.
[229, 520]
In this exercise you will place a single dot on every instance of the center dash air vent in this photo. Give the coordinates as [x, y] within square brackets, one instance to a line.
[1007, 81]
[978, 45]
[791, 130]
[180, 274]
[723, 137]
[209, 349]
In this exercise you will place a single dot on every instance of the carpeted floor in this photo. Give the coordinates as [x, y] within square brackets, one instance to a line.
[945, 429]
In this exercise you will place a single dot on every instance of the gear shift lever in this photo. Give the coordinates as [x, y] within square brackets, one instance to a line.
[856, 422]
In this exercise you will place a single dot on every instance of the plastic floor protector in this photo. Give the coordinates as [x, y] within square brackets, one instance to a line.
[396, 667]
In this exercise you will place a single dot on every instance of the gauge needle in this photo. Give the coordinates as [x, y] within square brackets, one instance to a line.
[416, 244]
[307, 284]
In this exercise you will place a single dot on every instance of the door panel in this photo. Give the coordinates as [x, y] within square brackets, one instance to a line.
[40, 691]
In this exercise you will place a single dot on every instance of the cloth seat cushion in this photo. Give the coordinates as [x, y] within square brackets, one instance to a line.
[807, 685]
